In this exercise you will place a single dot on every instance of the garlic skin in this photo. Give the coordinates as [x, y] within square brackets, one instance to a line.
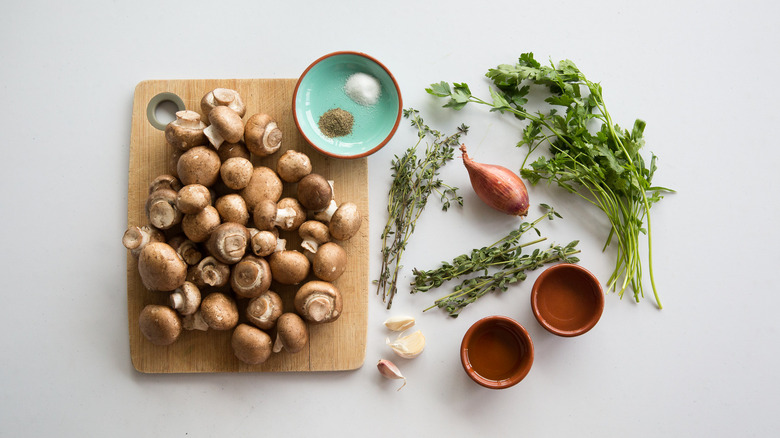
[399, 323]
[497, 186]
[390, 371]
[409, 346]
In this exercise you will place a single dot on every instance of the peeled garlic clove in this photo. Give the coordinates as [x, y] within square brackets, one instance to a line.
[399, 323]
[409, 346]
[389, 370]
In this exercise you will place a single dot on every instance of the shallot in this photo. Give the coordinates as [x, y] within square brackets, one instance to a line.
[497, 186]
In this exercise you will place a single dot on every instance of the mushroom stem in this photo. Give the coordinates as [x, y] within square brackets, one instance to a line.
[135, 238]
[213, 135]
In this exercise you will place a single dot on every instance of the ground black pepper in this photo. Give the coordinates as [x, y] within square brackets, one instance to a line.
[336, 123]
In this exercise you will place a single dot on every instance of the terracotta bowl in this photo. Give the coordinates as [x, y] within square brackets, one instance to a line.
[567, 300]
[497, 352]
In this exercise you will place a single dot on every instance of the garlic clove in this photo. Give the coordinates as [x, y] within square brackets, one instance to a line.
[409, 346]
[390, 370]
[399, 323]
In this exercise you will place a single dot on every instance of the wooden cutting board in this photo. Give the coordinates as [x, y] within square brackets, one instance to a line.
[336, 346]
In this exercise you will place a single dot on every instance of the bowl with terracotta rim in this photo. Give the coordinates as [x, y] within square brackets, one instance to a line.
[497, 352]
[567, 300]
[321, 88]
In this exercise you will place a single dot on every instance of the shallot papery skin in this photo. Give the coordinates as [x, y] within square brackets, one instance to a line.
[497, 186]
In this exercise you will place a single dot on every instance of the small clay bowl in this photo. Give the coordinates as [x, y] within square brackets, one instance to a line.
[567, 300]
[497, 352]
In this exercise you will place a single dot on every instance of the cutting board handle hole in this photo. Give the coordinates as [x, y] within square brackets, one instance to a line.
[162, 109]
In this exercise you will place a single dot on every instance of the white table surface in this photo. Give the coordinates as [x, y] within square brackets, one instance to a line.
[703, 76]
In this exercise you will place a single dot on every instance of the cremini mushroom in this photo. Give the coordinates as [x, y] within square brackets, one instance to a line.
[314, 234]
[159, 324]
[250, 344]
[193, 198]
[225, 125]
[345, 222]
[293, 165]
[265, 310]
[250, 277]
[199, 165]
[264, 243]
[329, 262]
[232, 208]
[186, 131]
[161, 209]
[264, 184]
[287, 214]
[185, 299]
[289, 266]
[318, 302]
[135, 238]
[209, 272]
[219, 311]
[222, 97]
[160, 267]
[194, 322]
[198, 227]
[236, 172]
[228, 242]
[165, 181]
[262, 135]
[292, 334]
[314, 192]
[233, 150]
[187, 249]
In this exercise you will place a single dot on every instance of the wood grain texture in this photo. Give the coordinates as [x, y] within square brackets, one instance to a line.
[337, 346]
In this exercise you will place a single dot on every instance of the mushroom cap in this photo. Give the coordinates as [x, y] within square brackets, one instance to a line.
[160, 267]
[161, 209]
[219, 311]
[165, 181]
[159, 324]
[250, 344]
[345, 222]
[264, 184]
[263, 243]
[186, 299]
[250, 277]
[228, 242]
[198, 227]
[330, 261]
[264, 214]
[262, 135]
[199, 165]
[209, 272]
[186, 248]
[227, 123]
[290, 223]
[193, 198]
[318, 302]
[293, 165]
[292, 334]
[222, 97]
[232, 208]
[236, 172]
[186, 131]
[314, 192]
[289, 266]
[265, 310]
[135, 238]
[314, 233]
[231, 150]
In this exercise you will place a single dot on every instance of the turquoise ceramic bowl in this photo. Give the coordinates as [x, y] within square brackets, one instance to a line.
[321, 88]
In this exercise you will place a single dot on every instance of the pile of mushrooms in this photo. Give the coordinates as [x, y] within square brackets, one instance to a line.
[217, 232]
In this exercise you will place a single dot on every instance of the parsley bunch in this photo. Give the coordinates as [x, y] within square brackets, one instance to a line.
[590, 155]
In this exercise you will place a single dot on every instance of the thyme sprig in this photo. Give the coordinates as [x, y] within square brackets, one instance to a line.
[504, 258]
[414, 180]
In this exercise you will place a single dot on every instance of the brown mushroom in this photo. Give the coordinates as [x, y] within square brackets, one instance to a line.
[232, 150]
[289, 266]
[222, 97]
[264, 184]
[265, 310]
[160, 267]
[209, 272]
[186, 131]
[232, 208]
[263, 243]
[225, 125]
[262, 135]
[135, 238]
[250, 344]
[194, 322]
[293, 165]
[199, 165]
[228, 242]
[165, 181]
[193, 198]
[318, 302]
[219, 311]
[314, 234]
[314, 192]
[236, 172]
[159, 324]
[287, 214]
[330, 261]
[198, 227]
[345, 222]
[186, 299]
[250, 277]
[292, 334]
[187, 249]
[161, 210]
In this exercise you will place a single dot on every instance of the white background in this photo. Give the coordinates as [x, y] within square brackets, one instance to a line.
[702, 74]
